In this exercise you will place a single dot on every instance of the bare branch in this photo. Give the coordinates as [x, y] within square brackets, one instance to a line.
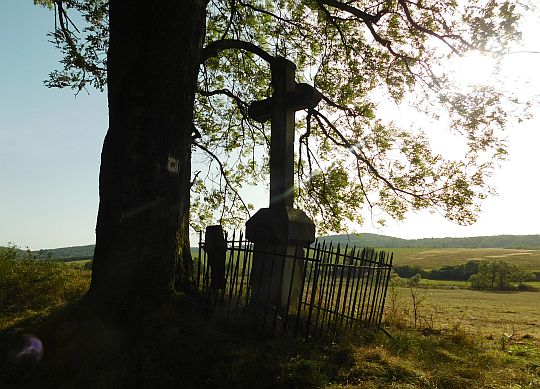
[332, 21]
[231, 18]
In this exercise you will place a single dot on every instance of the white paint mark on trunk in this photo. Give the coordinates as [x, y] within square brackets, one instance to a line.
[172, 165]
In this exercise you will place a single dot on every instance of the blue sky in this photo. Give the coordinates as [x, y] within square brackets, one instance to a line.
[50, 141]
[50, 144]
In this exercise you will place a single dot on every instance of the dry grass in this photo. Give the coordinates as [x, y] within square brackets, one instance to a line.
[488, 313]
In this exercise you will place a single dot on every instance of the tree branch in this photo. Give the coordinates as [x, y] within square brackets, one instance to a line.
[427, 31]
[242, 105]
[224, 175]
[343, 142]
[81, 61]
[268, 13]
[214, 48]
[368, 18]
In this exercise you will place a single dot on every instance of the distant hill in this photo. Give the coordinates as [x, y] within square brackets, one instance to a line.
[382, 241]
[67, 253]
[358, 240]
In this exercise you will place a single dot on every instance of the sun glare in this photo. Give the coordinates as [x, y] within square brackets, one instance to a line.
[473, 69]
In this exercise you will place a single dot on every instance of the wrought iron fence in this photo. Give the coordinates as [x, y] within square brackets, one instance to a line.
[306, 290]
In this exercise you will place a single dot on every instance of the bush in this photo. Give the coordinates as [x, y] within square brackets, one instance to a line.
[29, 284]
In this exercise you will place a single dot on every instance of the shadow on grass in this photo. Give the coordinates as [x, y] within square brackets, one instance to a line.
[177, 345]
[173, 344]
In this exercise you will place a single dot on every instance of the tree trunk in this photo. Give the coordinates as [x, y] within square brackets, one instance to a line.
[142, 237]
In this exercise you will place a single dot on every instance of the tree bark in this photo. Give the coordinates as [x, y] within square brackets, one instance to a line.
[142, 237]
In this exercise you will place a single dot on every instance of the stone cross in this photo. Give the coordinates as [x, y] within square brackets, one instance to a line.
[287, 98]
[280, 230]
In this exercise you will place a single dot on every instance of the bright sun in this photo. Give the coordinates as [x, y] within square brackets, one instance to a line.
[473, 68]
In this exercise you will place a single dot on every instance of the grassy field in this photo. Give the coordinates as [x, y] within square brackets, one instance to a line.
[443, 284]
[435, 258]
[488, 313]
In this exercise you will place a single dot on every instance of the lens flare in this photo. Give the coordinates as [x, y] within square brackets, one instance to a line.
[32, 349]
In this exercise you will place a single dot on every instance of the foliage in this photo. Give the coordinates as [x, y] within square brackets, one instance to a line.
[499, 275]
[360, 55]
[458, 273]
[29, 285]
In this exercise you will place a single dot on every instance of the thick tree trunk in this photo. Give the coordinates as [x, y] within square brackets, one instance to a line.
[142, 239]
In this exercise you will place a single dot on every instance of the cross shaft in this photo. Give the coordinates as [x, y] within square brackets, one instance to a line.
[287, 98]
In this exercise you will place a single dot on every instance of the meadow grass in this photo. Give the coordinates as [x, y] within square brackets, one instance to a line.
[482, 312]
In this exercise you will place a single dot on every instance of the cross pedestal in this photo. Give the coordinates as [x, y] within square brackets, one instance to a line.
[280, 231]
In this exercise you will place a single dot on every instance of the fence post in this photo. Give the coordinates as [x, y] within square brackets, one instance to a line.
[216, 249]
[313, 293]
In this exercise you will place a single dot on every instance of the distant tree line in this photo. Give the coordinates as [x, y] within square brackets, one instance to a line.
[488, 275]
[447, 272]
[382, 241]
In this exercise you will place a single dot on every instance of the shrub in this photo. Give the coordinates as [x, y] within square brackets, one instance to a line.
[29, 284]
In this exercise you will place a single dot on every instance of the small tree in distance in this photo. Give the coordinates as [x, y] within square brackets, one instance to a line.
[499, 275]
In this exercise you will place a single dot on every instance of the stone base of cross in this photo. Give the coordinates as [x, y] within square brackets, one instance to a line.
[279, 235]
[280, 228]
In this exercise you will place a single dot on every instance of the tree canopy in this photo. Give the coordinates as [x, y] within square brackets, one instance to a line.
[367, 58]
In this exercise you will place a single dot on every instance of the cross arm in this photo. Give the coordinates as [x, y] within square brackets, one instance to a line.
[304, 96]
